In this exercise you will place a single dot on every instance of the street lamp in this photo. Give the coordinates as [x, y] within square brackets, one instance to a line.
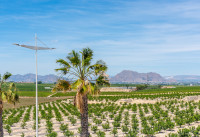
[36, 48]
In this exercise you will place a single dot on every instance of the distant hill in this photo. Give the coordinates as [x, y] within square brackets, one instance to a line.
[31, 78]
[185, 78]
[128, 76]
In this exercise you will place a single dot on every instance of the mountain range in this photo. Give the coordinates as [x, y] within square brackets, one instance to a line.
[126, 76]
[30, 78]
[185, 78]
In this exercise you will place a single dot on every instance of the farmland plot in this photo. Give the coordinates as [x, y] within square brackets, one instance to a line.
[60, 118]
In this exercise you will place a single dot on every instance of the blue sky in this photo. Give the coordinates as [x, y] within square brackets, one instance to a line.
[160, 36]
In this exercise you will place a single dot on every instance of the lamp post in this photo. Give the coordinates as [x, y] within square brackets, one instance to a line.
[36, 48]
[147, 78]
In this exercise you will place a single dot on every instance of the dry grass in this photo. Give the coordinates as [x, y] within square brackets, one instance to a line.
[26, 101]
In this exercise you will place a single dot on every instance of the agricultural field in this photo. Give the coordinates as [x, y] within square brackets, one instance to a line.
[160, 113]
[31, 86]
[148, 112]
[28, 89]
[184, 91]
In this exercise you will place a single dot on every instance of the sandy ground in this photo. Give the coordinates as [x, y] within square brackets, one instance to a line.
[147, 101]
[30, 132]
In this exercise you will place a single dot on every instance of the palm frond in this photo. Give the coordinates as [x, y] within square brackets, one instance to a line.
[4, 96]
[74, 58]
[64, 63]
[93, 89]
[6, 76]
[76, 84]
[12, 86]
[102, 80]
[87, 54]
[99, 67]
[63, 70]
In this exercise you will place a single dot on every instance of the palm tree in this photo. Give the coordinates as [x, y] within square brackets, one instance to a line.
[7, 93]
[10, 94]
[88, 79]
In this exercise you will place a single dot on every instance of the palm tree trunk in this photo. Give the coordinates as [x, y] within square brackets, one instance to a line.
[1, 121]
[84, 118]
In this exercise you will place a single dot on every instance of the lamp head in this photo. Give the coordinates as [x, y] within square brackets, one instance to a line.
[15, 44]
